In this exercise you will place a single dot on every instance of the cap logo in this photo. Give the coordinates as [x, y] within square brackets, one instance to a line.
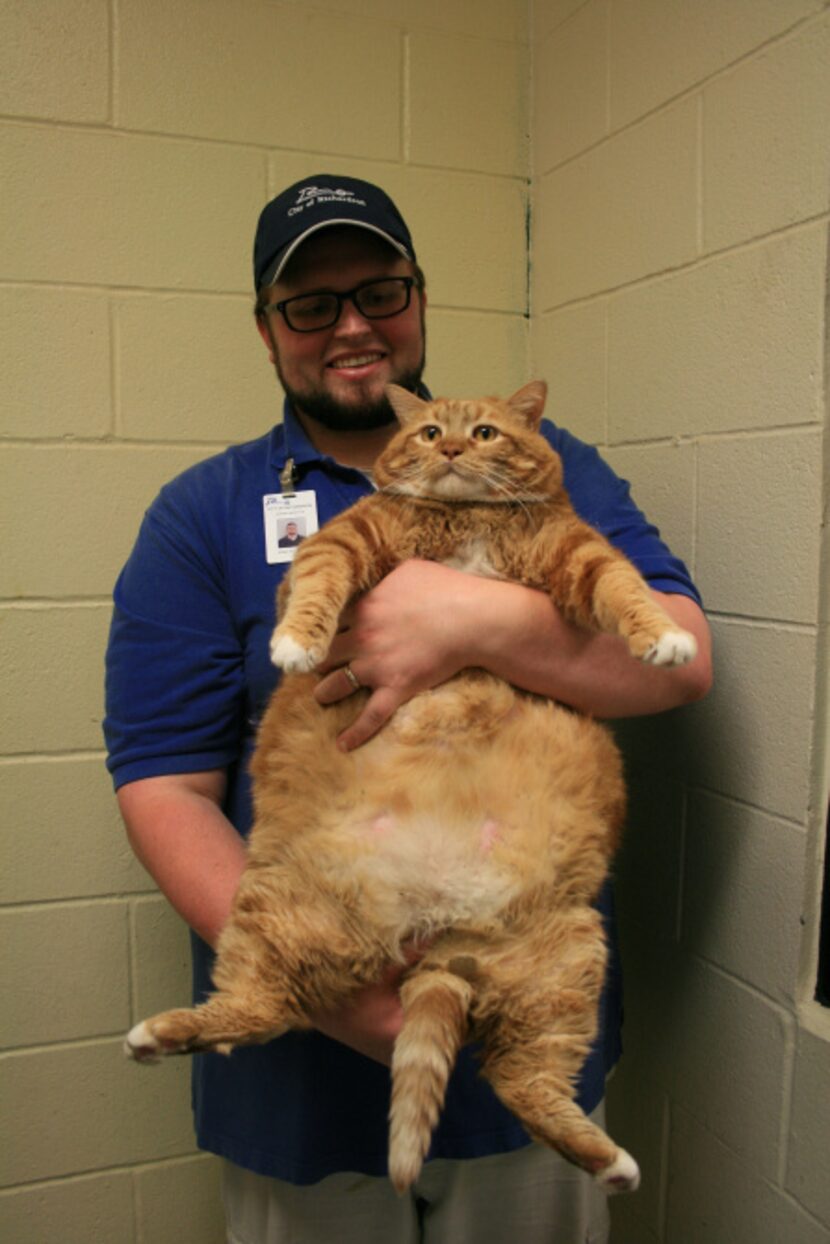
[311, 196]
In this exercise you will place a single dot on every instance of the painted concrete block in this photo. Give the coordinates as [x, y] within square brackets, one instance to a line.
[80, 1108]
[471, 354]
[807, 1152]
[89, 501]
[714, 1197]
[569, 352]
[743, 886]
[161, 958]
[570, 88]
[753, 731]
[662, 479]
[346, 98]
[72, 394]
[758, 539]
[766, 154]
[96, 1209]
[193, 369]
[180, 1202]
[729, 1061]
[471, 235]
[732, 344]
[660, 48]
[548, 14]
[65, 836]
[483, 19]
[127, 209]
[55, 60]
[52, 672]
[63, 971]
[622, 211]
[467, 104]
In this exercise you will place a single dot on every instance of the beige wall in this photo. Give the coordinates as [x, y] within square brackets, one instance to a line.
[681, 168]
[139, 141]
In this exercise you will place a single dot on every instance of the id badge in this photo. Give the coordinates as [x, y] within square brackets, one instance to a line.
[289, 517]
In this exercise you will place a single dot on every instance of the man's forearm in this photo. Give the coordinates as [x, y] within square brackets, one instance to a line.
[178, 830]
[530, 644]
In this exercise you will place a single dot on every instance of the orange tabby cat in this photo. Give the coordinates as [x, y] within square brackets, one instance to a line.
[480, 821]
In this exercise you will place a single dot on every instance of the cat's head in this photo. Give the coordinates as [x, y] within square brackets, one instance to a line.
[470, 449]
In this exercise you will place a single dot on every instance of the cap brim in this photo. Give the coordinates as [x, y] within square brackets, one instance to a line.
[284, 255]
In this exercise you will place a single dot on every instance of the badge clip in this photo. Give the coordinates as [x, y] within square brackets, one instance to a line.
[288, 476]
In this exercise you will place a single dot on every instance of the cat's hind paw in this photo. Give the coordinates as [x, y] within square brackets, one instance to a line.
[672, 648]
[623, 1175]
[290, 656]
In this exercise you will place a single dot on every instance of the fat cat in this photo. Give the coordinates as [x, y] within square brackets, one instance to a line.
[478, 824]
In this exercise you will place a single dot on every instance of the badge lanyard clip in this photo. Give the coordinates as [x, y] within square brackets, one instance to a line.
[288, 476]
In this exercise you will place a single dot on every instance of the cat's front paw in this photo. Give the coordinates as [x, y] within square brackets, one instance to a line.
[291, 656]
[141, 1044]
[672, 648]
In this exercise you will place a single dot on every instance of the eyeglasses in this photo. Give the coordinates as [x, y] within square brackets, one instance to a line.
[375, 300]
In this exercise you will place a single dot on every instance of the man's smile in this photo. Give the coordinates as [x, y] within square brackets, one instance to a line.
[348, 362]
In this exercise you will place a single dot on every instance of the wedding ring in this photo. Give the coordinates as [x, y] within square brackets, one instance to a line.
[352, 677]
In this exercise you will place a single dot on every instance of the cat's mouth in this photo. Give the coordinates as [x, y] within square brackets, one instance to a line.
[452, 479]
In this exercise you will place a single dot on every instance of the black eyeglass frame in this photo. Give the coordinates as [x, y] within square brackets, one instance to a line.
[347, 295]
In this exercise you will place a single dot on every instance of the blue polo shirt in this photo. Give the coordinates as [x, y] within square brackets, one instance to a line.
[188, 676]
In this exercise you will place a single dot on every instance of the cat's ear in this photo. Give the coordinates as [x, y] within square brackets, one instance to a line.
[529, 402]
[407, 406]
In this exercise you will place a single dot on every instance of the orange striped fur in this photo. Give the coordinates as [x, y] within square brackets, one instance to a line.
[479, 822]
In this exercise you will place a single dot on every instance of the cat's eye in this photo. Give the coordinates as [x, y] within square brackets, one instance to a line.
[484, 432]
[431, 432]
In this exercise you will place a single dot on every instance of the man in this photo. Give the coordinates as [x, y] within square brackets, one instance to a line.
[301, 1121]
[291, 538]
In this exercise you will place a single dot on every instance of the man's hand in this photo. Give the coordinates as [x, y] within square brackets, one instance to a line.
[371, 1020]
[402, 637]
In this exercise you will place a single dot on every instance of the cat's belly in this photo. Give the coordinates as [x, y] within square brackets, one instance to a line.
[419, 873]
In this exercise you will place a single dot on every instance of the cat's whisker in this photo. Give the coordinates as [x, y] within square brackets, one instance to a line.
[501, 484]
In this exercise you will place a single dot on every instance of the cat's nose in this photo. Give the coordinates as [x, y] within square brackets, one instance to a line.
[451, 449]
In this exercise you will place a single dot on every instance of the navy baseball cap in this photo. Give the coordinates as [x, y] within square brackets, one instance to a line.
[315, 203]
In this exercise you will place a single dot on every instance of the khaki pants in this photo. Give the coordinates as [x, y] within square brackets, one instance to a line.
[530, 1196]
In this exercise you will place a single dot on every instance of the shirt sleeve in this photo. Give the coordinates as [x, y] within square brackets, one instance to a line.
[604, 500]
[174, 681]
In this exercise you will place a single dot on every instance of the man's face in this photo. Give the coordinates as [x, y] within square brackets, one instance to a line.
[291, 529]
[337, 375]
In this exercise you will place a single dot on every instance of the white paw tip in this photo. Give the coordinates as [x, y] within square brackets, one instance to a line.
[141, 1045]
[623, 1175]
[291, 656]
[672, 648]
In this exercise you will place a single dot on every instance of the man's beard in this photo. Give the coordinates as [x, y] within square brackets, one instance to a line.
[337, 416]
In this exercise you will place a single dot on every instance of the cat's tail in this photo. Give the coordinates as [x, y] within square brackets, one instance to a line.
[436, 1005]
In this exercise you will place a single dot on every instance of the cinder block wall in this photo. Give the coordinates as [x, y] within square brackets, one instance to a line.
[139, 141]
[681, 165]
[680, 173]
